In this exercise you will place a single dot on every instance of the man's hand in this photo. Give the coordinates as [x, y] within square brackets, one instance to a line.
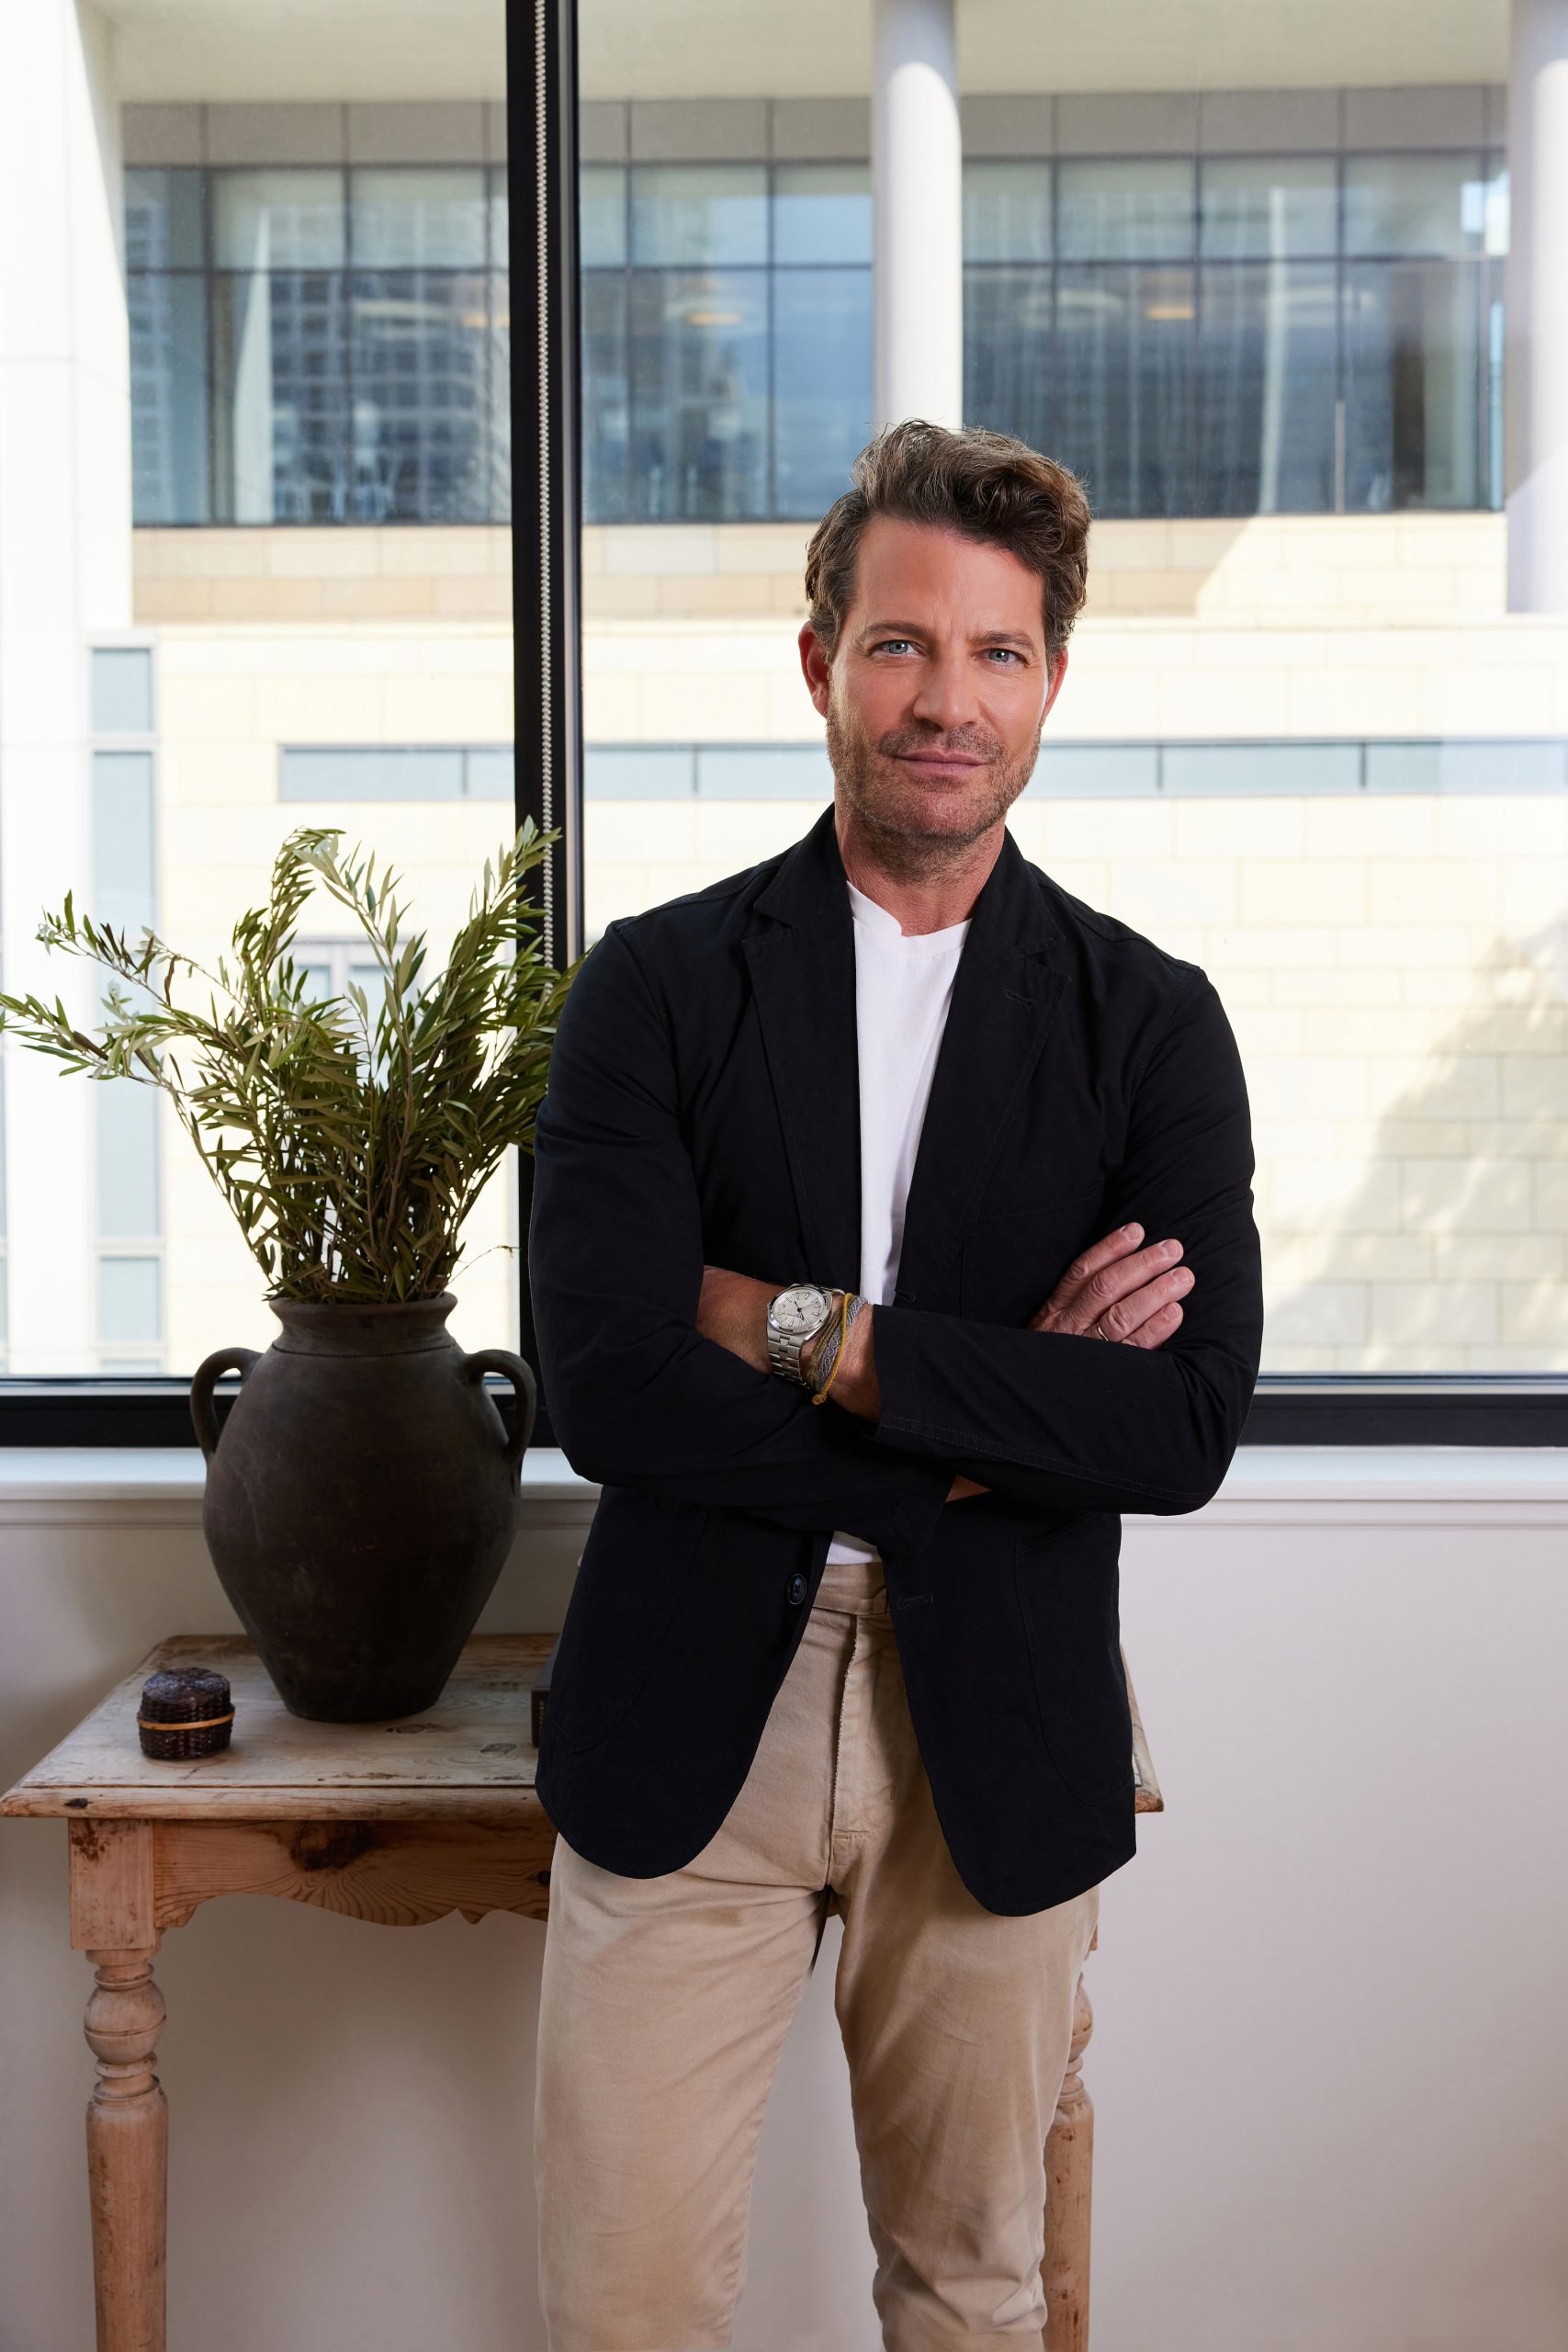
[1117, 1291]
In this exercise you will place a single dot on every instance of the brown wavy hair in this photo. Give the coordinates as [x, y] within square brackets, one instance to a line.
[985, 485]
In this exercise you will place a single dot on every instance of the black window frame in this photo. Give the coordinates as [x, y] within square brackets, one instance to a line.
[1495, 1409]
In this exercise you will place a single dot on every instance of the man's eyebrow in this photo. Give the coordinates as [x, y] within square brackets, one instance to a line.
[982, 637]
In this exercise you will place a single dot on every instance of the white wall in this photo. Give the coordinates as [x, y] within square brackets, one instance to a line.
[1328, 2061]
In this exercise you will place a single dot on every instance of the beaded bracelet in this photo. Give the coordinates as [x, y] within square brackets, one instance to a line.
[833, 1347]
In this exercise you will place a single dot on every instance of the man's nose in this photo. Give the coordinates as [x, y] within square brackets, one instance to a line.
[945, 698]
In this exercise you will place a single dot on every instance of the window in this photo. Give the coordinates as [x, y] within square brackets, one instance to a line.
[352, 324]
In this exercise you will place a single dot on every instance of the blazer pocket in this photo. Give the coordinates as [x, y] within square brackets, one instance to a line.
[634, 1567]
[1017, 1250]
[1067, 1584]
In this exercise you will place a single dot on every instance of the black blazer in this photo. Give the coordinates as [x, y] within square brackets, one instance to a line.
[703, 1105]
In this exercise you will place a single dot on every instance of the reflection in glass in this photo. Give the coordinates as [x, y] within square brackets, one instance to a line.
[1412, 204]
[497, 440]
[1007, 353]
[1412, 378]
[1266, 363]
[602, 216]
[279, 220]
[1137, 210]
[403, 219]
[124, 877]
[1268, 206]
[606, 406]
[163, 220]
[822, 384]
[1125, 369]
[699, 369]
[699, 214]
[420, 398]
[1006, 211]
[280, 397]
[169, 398]
[821, 212]
[128, 1159]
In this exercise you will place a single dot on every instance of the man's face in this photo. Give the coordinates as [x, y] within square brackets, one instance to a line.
[937, 690]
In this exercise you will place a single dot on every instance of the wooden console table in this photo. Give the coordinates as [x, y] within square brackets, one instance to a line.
[397, 1823]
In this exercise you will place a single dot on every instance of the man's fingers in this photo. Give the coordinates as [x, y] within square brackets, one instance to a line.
[1151, 1330]
[1128, 1314]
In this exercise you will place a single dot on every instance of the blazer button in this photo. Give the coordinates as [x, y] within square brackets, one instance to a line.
[796, 1589]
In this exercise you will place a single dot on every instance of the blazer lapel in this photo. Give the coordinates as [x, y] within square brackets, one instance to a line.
[802, 982]
[1006, 995]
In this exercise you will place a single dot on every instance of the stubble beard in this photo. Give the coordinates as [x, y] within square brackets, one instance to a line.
[892, 811]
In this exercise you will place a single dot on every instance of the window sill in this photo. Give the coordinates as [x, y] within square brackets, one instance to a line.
[1293, 1485]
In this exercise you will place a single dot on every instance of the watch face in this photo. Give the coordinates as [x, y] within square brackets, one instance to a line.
[801, 1309]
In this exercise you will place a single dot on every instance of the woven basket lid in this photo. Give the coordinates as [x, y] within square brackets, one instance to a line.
[184, 1694]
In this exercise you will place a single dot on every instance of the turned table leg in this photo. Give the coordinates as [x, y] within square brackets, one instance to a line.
[113, 1921]
[1070, 2174]
[128, 2153]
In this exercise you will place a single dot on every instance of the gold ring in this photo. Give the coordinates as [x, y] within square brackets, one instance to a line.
[1100, 1334]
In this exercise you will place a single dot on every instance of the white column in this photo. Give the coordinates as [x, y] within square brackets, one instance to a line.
[1537, 309]
[64, 577]
[917, 174]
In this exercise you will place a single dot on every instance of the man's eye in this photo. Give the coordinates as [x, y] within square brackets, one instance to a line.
[895, 645]
[1001, 652]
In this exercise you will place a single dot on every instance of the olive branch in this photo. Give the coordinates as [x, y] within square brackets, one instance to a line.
[350, 1140]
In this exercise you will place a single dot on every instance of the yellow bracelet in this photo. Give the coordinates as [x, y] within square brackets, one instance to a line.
[821, 1395]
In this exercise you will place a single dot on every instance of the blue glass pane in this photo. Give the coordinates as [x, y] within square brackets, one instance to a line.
[1413, 204]
[418, 443]
[764, 772]
[1096, 771]
[491, 774]
[498, 453]
[699, 364]
[1138, 210]
[1211, 769]
[1006, 211]
[1263, 208]
[500, 223]
[1524, 767]
[168, 398]
[1126, 354]
[122, 690]
[1413, 384]
[163, 220]
[606, 405]
[370, 772]
[699, 214]
[278, 220]
[424, 218]
[638, 772]
[601, 210]
[821, 385]
[1267, 356]
[129, 1300]
[128, 1159]
[1008, 368]
[280, 397]
[124, 883]
[822, 212]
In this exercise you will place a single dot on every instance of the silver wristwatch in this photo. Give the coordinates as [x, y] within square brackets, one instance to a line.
[795, 1316]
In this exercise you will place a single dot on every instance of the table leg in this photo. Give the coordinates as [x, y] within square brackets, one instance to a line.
[128, 2152]
[1069, 2177]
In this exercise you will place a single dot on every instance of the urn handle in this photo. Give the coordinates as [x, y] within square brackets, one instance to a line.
[238, 1360]
[511, 1368]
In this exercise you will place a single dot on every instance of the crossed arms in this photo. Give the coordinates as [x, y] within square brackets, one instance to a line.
[641, 1397]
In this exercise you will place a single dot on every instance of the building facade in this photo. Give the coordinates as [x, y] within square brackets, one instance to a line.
[1315, 730]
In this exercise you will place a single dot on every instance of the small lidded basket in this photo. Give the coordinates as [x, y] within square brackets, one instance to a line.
[186, 1712]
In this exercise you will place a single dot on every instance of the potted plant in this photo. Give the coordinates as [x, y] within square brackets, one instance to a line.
[364, 1494]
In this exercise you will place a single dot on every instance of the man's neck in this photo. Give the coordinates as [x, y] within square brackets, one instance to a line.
[929, 887]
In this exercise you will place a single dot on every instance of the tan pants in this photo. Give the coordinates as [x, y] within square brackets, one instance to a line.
[665, 2002]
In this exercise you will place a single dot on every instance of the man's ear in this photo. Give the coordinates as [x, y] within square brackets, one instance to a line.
[815, 669]
[1057, 676]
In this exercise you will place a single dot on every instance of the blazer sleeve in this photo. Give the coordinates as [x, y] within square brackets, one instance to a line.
[637, 1398]
[1064, 1422]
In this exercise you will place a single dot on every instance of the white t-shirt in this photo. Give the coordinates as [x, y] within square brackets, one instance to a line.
[903, 988]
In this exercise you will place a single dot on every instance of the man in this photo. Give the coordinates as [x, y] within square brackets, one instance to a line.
[893, 1233]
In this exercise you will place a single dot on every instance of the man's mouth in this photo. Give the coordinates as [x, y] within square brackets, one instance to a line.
[942, 765]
